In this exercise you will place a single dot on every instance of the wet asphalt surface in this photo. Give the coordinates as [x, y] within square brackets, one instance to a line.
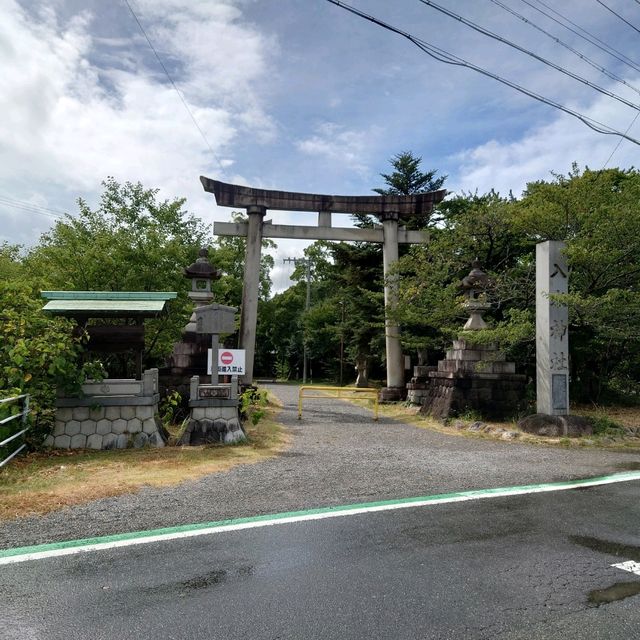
[338, 455]
[526, 567]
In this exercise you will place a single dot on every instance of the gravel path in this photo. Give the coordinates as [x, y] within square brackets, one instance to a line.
[338, 455]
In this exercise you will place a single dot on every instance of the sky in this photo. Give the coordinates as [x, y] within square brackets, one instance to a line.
[298, 95]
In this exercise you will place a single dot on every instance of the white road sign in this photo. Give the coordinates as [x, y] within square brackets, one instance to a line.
[230, 362]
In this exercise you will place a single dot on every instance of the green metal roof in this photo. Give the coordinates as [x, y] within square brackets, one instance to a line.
[96, 304]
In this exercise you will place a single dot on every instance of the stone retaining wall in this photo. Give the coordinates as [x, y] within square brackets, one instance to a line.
[110, 427]
[470, 378]
[112, 414]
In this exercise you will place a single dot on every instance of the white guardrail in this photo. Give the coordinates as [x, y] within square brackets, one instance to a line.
[23, 401]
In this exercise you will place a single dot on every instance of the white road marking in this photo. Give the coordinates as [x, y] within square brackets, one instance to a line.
[630, 565]
[72, 547]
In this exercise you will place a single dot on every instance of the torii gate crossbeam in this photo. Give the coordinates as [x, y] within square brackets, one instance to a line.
[388, 209]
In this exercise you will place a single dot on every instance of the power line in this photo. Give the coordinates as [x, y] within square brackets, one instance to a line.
[513, 45]
[448, 58]
[33, 204]
[589, 37]
[620, 141]
[608, 8]
[173, 84]
[31, 208]
[557, 40]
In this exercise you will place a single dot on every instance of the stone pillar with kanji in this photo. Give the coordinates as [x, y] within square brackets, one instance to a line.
[552, 329]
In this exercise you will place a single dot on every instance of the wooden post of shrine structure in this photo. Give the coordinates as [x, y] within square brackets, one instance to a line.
[388, 209]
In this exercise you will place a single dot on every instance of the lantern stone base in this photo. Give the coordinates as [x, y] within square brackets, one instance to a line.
[214, 416]
[471, 378]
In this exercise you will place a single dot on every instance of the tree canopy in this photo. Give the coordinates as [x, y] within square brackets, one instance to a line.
[132, 240]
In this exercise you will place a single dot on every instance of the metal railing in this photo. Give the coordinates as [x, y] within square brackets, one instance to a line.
[22, 416]
[338, 392]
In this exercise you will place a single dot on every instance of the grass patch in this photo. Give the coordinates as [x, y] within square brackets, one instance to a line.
[39, 483]
[609, 424]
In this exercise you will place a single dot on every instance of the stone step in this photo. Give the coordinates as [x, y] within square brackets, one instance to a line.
[474, 354]
[475, 366]
[461, 343]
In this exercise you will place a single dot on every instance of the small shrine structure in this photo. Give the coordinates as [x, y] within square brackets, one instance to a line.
[113, 413]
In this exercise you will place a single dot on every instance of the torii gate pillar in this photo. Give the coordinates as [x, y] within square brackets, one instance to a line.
[395, 389]
[251, 288]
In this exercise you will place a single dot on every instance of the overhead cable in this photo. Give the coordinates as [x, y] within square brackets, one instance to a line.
[531, 54]
[608, 8]
[31, 207]
[173, 84]
[448, 58]
[585, 35]
[620, 142]
[557, 40]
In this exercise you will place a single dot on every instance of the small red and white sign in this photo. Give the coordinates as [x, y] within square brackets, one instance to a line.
[231, 362]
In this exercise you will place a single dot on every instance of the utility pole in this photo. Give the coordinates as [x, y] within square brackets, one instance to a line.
[305, 357]
[341, 303]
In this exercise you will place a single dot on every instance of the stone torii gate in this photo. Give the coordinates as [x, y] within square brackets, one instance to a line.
[388, 209]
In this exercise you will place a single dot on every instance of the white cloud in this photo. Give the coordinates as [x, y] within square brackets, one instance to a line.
[67, 123]
[550, 147]
[348, 148]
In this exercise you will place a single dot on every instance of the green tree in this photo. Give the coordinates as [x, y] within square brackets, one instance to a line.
[228, 254]
[349, 276]
[406, 179]
[10, 263]
[596, 214]
[38, 354]
[130, 242]
[471, 226]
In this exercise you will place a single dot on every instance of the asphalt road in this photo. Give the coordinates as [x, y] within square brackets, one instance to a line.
[519, 567]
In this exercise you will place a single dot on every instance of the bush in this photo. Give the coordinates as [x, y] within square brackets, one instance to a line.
[38, 355]
[253, 403]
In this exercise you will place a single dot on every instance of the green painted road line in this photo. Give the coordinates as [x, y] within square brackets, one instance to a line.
[69, 547]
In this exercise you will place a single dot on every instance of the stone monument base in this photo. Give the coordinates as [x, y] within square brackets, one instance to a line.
[471, 378]
[214, 424]
[543, 424]
[214, 415]
[392, 394]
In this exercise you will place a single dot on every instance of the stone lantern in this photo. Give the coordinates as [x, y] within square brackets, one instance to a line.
[475, 287]
[201, 273]
[472, 377]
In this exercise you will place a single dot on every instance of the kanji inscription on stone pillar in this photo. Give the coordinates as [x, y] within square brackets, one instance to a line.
[552, 329]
